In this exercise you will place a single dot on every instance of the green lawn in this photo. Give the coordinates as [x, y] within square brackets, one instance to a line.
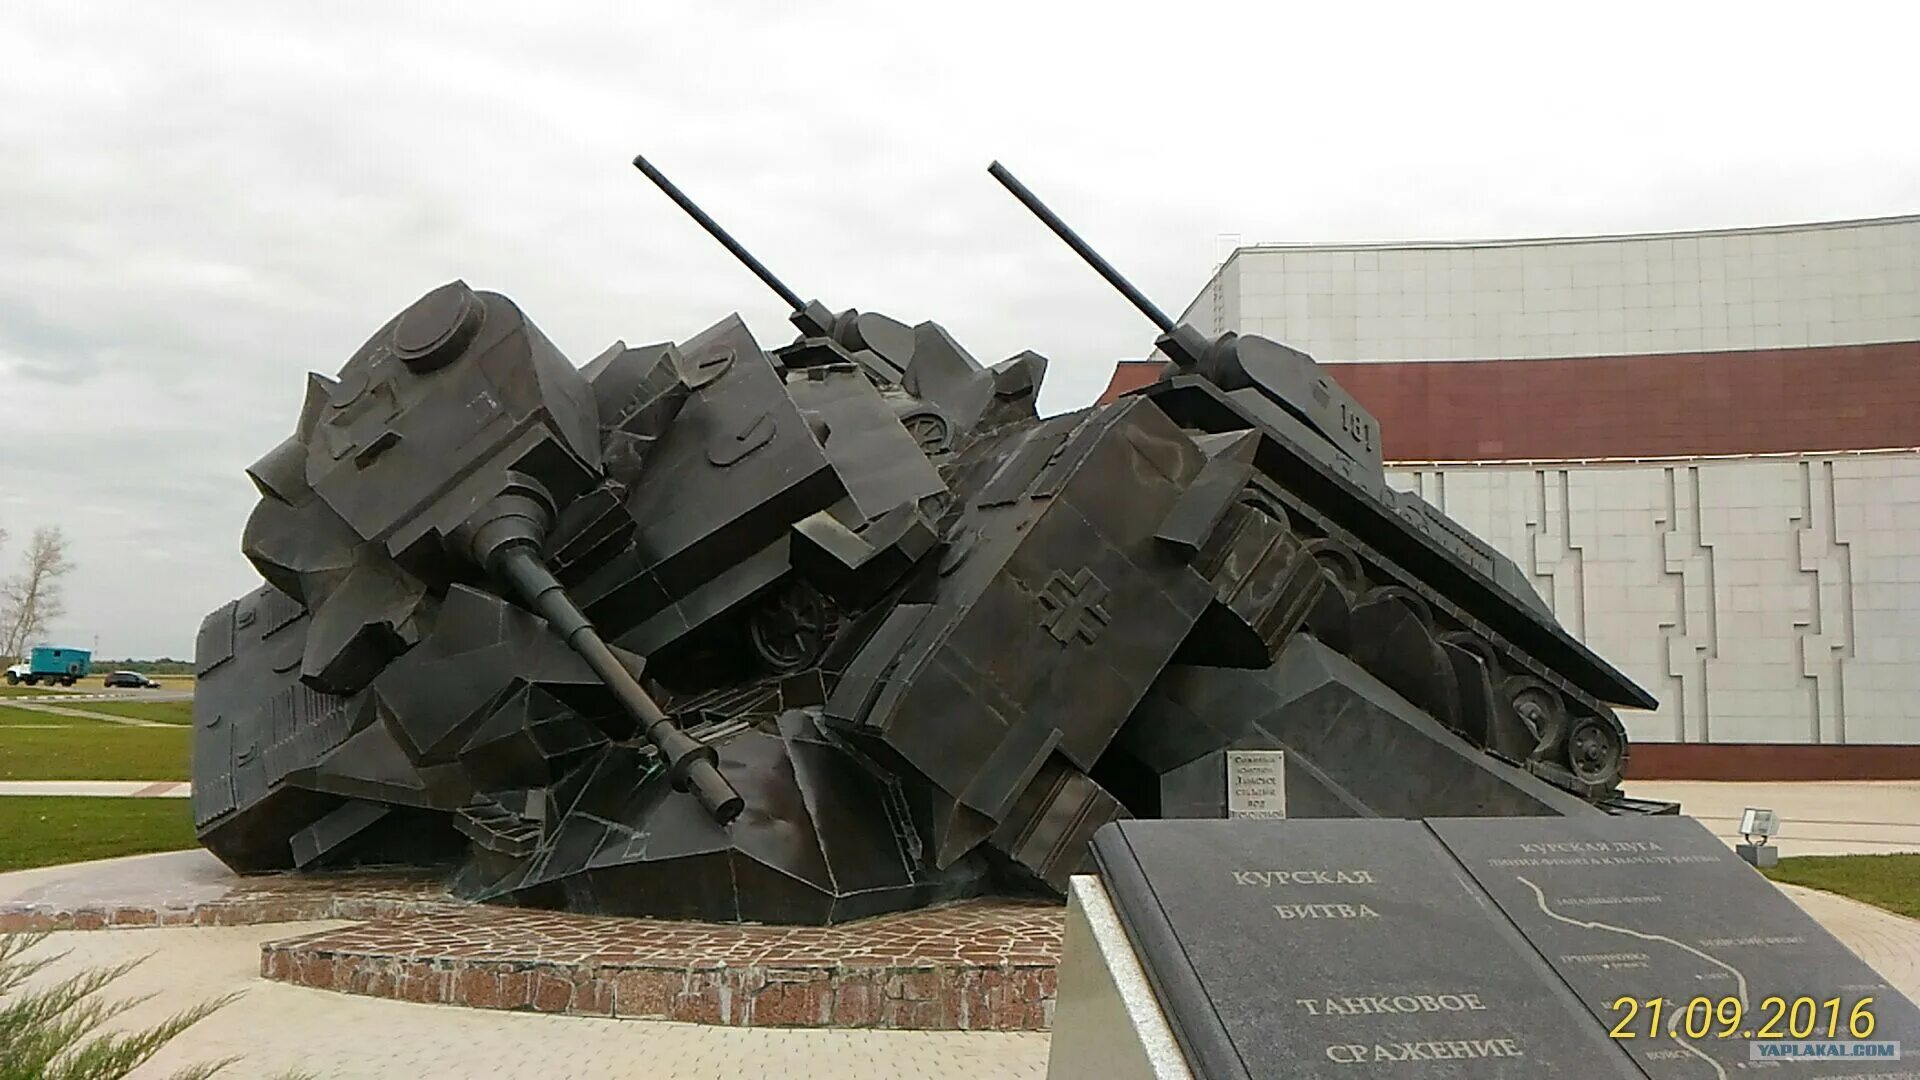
[37, 831]
[1887, 881]
[90, 750]
[164, 712]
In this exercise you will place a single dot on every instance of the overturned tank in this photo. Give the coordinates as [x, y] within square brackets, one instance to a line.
[707, 630]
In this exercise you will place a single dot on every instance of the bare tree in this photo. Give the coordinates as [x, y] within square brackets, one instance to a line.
[30, 600]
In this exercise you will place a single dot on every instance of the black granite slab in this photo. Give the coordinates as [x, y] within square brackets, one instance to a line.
[1656, 907]
[1338, 948]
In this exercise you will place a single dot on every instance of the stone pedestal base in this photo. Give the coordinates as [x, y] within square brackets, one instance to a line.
[981, 965]
[1107, 1023]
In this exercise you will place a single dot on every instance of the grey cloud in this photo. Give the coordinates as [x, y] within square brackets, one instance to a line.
[199, 202]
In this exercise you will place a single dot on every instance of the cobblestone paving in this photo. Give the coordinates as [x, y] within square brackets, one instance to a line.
[979, 965]
[275, 1027]
[975, 966]
[976, 931]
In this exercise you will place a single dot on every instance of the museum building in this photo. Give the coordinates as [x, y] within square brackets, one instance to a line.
[1703, 447]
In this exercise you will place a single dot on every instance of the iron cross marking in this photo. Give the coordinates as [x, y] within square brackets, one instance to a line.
[1073, 606]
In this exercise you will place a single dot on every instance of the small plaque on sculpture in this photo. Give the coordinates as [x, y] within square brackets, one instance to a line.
[1256, 783]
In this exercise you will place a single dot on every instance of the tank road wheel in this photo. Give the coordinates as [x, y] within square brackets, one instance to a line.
[1596, 752]
[1341, 565]
[1477, 671]
[1539, 707]
[790, 629]
[930, 431]
[1332, 613]
[1469, 642]
[1392, 636]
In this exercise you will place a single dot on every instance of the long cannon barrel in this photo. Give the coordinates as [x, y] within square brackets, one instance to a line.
[1181, 343]
[810, 316]
[504, 538]
[690, 762]
[713, 227]
[1081, 247]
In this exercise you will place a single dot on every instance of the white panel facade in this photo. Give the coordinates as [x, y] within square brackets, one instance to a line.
[1764, 599]
[1831, 284]
[1209, 313]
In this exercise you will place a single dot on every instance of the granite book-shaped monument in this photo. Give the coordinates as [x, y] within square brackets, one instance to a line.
[1523, 947]
[799, 634]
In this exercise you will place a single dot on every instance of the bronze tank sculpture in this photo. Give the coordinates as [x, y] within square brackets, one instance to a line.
[707, 630]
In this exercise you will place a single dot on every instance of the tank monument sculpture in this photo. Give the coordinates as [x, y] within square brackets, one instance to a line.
[709, 630]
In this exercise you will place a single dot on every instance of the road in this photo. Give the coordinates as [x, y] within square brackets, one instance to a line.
[96, 693]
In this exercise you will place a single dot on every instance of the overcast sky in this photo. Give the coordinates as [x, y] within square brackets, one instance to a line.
[201, 202]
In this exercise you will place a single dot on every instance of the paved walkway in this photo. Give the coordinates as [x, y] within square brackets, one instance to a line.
[1861, 817]
[57, 696]
[329, 1036]
[130, 789]
[1889, 943]
[40, 705]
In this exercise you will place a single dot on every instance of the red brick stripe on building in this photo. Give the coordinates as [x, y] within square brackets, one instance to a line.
[1772, 761]
[1759, 401]
[1130, 375]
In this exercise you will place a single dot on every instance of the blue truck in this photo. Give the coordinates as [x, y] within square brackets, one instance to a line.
[48, 664]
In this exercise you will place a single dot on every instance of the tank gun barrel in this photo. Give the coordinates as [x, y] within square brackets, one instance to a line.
[800, 307]
[690, 763]
[504, 537]
[1081, 248]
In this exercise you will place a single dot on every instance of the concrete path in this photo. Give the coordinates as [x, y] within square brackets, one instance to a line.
[1863, 817]
[57, 696]
[130, 789]
[1889, 943]
[329, 1036]
[39, 705]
